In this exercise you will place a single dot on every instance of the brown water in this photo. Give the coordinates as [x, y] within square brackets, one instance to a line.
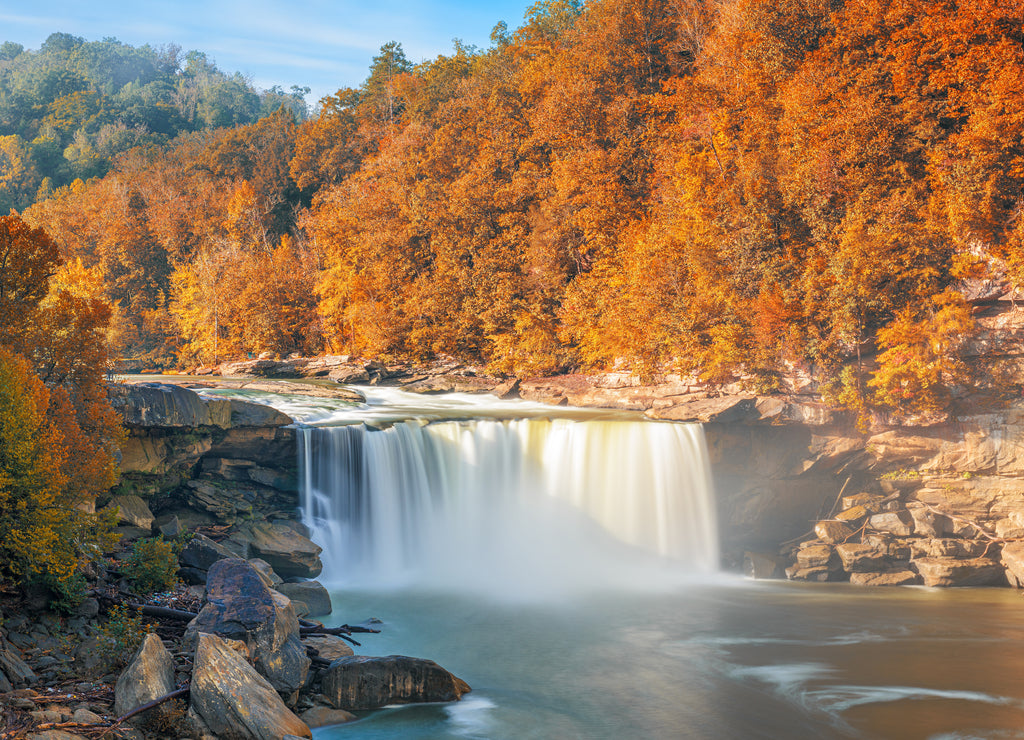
[722, 659]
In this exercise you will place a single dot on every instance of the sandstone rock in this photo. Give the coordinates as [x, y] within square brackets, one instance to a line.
[928, 523]
[760, 565]
[233, 700]
[832, 532]
[359, 682]
[347, 374]
[201, 552]
[899, 523]
[324, 716]
[951, 572]
[818, 574]
[722, 410]
[133, 511]
[946, 547]
[245, 414]
[14, 668]
[84, 717]
[158, 405]
[55, 735]
[507, 389]
[451, 384]
[870, 501]
[860, 558]
[288, 552]
[240, 607]
[816, 556]
[853, 516]
[149, 676]
[887, 578]
[270, 578]
[1013, 561]
[328, 647]
[311, 593]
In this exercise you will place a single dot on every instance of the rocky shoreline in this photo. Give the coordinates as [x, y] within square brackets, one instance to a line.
[233, 650]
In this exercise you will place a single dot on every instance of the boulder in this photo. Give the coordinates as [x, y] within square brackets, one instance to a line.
[150, 675]
[928, 523]
[870, 501]
[359, 682]
[14, 668]
[320, 716]
[233, 700]
[328, 647]
[240, 607]
[815, 555]
[311, 593]
[349, 374]
[451, 384]
[952, 572]
[133, 511]
[270, 578]
[288, 552]
[886, 578]
[158, 405]
[246, 414]
[854, 515]
[832, 532]
[899, 523]
[1013, 561]
[860, 558]
[201, 552]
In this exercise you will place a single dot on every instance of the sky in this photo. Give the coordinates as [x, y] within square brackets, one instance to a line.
[321, 44]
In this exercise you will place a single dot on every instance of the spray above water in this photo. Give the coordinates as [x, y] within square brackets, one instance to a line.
[515, 508]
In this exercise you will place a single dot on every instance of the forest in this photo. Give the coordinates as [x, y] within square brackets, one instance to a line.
[728, 189]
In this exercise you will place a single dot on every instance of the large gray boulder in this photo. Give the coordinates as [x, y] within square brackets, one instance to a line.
[233, 700]
[311, 593]
[360, 682]
[149, 676]
[328, 647]
[289, 553]
[201, 552]
[240, 607]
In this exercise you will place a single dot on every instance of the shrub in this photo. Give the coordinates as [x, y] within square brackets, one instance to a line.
[152, 566]
[121, 636]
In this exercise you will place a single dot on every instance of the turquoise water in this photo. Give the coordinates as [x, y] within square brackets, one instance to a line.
[724, 659]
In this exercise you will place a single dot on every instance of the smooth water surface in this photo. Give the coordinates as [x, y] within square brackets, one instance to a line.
[725, 659]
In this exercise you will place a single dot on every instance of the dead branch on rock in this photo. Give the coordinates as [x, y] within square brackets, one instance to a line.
[152, 704]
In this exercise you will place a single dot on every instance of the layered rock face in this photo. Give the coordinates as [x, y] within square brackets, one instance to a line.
[208, 461]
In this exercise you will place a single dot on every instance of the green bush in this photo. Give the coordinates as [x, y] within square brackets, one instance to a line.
[152, 566]
[121, 636]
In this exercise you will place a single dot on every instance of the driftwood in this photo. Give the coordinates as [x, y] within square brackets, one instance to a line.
[164, 612]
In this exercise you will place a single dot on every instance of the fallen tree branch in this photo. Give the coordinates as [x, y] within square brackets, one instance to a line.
[150, 705]
[164, 612]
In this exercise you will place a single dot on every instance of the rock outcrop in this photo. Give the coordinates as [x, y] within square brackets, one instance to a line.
[359, 682]
[149, 676]
[233, 700]
[240, 607]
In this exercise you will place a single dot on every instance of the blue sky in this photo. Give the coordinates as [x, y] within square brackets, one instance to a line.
[322, 44]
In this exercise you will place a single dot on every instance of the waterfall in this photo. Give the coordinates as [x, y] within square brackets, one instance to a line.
[548, 502]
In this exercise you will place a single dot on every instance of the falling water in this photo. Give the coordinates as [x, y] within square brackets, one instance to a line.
[518, 505]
